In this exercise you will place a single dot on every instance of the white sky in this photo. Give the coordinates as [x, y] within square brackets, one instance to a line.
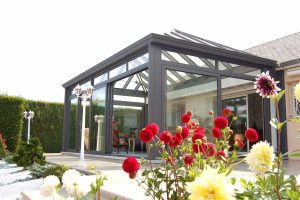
[43, 44]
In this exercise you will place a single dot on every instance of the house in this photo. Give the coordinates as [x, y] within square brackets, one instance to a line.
[157, 79]
[286, 51]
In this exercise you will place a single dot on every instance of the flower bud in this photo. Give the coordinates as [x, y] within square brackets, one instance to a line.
[230, 132]
[198, 141]
[211, 113]
[234, 118]
[179, 129]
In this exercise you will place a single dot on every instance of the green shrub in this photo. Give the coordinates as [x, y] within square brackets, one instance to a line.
[56, 170]
[47, 124]
[37, 170]
[2, 151]
[27, 154]
[9, 158]
[11, 120]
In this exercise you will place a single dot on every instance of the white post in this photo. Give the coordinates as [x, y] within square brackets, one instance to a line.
[28, 134]
[83, 130]
[98, 136]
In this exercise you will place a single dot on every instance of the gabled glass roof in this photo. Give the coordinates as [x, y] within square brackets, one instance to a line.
[192, 38]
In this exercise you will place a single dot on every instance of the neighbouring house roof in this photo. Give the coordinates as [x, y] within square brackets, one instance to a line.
[283, 50]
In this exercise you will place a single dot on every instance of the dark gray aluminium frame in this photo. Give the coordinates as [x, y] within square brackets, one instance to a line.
[154, 44]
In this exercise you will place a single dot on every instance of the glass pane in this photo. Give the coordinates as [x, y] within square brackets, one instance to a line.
[199, 95]
[187, 59]
[129, 99]
[98, 120]
[86, 84]
[117, 71]
[73, 123]
[128, 120]
[240, 97]
[86, 128]
[138, 61]
[240, 69]
[100, 78]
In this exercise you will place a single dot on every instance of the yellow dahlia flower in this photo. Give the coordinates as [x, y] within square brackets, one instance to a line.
[261, 157]
[211, 185]
[297, 91]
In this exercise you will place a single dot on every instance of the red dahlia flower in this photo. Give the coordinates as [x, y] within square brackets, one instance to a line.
[199, 148]
[182, 132]
[185, 118]
[217, 133]
[251, 134]
[146, 135]
[188, 160]
[200, 129]
[131, 165]
[265, 85]
[226, 112]
[165, 137]
[219, 154]
[189, 113]
[221, 122]
[154, 127]
[239, 143]
[185, 132]
[175, 141]
[211, 150]
[198, 135]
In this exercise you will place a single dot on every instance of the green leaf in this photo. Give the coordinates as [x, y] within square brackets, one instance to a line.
[280, 95]
[280, 125]
[293, 195]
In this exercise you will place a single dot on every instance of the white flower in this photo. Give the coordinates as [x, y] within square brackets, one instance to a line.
[297, 91]
[69, 176]
[211, 185]
[261, 157]
[49, 186]
[76, 184]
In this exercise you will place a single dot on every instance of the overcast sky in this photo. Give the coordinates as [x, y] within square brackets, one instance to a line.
[43, 44]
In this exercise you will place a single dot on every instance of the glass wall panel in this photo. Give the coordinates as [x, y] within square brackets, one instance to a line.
[98, 120]
[198, 94]
[239, 96]
[73, 123]
[100, 78]
[117, 71]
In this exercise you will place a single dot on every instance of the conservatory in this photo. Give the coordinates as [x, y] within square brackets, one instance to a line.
[157, 79]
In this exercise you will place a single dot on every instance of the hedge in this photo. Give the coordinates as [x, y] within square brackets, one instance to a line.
[11, 122]
[47, 124]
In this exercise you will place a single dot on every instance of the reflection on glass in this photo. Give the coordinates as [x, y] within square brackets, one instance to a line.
[197, 94]
[241, 69]
[128, 125]
[117, 71]
[188, 59]
[240, 97]
[100, 79]
[98, 126]
[138, 61]
[73, 123]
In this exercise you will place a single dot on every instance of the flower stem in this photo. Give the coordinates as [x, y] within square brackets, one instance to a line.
[278, 150]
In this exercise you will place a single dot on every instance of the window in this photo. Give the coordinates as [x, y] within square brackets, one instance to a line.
[294, 109]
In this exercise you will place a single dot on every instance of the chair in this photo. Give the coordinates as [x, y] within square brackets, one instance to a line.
[120, 142]
[132, 136]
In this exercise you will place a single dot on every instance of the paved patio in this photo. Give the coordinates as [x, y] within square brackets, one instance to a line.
[119, 184]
